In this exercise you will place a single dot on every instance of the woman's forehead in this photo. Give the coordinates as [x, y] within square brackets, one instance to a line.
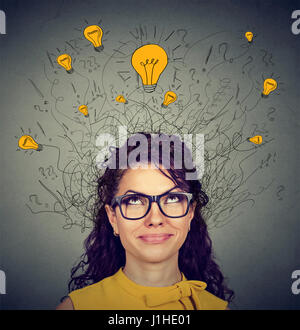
[146, 180]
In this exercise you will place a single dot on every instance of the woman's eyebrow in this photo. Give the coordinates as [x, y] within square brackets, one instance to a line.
[138, 192]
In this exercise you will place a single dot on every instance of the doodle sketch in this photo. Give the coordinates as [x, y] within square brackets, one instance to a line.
[158, 81]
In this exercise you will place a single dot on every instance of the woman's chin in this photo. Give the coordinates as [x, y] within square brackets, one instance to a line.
[155, 256]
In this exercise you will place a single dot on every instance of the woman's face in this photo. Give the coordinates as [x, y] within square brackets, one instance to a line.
[155, 237]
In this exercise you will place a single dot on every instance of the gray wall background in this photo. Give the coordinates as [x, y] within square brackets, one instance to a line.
[257, 251]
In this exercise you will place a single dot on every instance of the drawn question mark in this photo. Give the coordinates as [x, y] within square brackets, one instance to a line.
[49, 170]
[192, 70]
[270, 59]
[270, 112]
[184, 34]
[52, 172]
[264, 56]
[250, 59]
[223, 44]
[38, 108]
[95, 63]
[41, 169]
[281, 188]
[35, 199]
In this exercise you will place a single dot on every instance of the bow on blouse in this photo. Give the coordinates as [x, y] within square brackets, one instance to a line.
[181, 290]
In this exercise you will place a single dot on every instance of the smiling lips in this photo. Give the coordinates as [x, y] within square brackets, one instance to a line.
[155, 238]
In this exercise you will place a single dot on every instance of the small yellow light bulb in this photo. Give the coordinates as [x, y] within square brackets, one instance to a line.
[257, 139]
[94, 33]
[169, 98]
[269, 86]
[149, 62]
[249, 36]
[84, 110]
[121, 99]
[27, 142]
[65, 61]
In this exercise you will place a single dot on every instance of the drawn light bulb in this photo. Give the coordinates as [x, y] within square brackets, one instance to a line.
[149, 62]
[94, 33]
[121, 99]
[27, 142]
[84, 110]
[249, 36]
[65, 61]
[269, 86]
[257, 139]
[169, 98]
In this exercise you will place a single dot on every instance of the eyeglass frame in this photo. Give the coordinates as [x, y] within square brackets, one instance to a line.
[152, 198]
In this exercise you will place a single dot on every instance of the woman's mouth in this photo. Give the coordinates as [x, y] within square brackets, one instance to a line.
[155, 238]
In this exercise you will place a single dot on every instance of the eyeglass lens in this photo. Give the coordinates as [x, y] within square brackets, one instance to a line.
[136, 206]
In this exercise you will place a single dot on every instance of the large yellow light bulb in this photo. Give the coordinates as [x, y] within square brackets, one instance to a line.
[257, 139]
[169, 98]
[27, 142]
[121, 99]
[149, 62]
[269, 86]
[65, 61]
[249, 36]
[84, 110]
[94, 33]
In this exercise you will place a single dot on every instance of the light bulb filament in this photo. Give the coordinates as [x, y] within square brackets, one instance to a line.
[92, 32]
[64, 59]
[149, 70]
[25, 141]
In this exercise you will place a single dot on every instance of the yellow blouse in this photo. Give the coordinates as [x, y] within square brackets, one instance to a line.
[118, 292]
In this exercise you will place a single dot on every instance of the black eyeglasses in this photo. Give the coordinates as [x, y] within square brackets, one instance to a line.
[136, 206]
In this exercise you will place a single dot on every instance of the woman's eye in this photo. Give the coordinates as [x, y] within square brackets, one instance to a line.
[172, 199]
[136, 200]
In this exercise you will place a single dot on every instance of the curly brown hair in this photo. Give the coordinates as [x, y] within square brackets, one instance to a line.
[104, 253]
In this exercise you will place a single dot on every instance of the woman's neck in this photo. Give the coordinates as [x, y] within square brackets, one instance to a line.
[165, 273]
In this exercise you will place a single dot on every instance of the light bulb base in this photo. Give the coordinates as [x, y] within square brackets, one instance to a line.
[163, 106]
[99, 49]
[40, 147]
[264, 95]
[70, 71]
[149, 88]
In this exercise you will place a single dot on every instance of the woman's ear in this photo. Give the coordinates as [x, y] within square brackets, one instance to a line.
[111, 214]
[191, 213]
[192, 209]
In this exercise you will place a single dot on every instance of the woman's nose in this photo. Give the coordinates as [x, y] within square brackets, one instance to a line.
[155, 217]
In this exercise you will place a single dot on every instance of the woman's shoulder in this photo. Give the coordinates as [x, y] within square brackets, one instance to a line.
[106, 282]
[89, 295]
[66, 304]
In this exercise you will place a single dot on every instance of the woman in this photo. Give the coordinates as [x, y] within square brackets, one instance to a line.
[149, 248]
